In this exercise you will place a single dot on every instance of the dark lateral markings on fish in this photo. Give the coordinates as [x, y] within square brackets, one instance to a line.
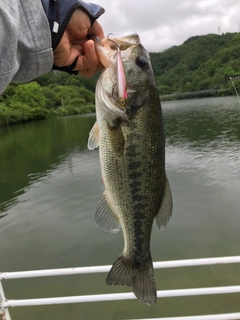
[130, 135]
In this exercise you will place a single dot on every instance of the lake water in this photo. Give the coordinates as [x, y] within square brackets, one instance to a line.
[49, 187]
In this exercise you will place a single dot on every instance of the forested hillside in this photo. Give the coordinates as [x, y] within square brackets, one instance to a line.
[200, 63]
[53, 94]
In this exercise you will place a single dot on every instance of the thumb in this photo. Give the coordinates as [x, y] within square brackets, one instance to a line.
[89, 58]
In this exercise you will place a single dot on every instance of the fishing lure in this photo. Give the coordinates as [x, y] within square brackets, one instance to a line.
[121, 78]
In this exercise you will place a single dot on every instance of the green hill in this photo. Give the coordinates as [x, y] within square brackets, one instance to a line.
[200, 63]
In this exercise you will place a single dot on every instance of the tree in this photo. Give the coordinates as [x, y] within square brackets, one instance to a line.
[30, 94]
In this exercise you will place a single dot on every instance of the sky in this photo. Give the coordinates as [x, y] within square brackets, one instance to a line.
[162, 24]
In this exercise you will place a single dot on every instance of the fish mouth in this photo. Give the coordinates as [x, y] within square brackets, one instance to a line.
[97, 41]
[107, 47]
[120, 99]
[123, 42]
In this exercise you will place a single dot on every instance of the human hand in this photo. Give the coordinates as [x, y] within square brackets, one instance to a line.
[75, 43]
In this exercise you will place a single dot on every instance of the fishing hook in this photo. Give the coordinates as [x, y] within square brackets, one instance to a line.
[115, 42]
[122, 91]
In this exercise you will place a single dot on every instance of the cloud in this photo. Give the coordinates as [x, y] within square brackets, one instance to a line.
[163, 24]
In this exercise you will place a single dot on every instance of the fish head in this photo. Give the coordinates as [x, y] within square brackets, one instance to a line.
[137, 75]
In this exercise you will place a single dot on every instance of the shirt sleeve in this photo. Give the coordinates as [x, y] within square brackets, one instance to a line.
[25, 41]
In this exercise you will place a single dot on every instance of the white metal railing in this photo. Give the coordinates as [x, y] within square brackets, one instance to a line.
[5, 304]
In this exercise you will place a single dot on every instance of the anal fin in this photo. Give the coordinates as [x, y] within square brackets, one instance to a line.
[165, 211]
[105, 218]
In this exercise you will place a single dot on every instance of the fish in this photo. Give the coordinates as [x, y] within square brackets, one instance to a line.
[129, 132]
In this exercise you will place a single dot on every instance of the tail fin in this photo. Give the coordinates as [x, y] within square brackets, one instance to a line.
[140, 278]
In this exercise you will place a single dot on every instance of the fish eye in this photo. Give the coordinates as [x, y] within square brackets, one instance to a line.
[141, 62]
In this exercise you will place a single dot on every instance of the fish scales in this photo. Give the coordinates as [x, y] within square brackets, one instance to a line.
[132, 156]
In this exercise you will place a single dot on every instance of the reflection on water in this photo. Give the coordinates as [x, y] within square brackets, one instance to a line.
[205, 136]
[49, 187]
[31, 150]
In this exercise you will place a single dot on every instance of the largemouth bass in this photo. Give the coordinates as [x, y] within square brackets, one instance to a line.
[130, 135]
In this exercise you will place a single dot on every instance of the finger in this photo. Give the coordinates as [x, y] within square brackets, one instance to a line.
[96, 30]
[88, 74]
[66, 51]
[79, 24]
[89, 63]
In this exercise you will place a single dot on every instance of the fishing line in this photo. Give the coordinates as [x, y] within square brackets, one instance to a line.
[212, 267]
[235, 88]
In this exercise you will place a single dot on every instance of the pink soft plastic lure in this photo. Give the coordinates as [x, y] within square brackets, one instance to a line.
[121, 81]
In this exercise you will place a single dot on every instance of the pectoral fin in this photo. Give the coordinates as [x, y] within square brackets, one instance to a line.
[105, 218]
[93, 140]
[165, 211]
